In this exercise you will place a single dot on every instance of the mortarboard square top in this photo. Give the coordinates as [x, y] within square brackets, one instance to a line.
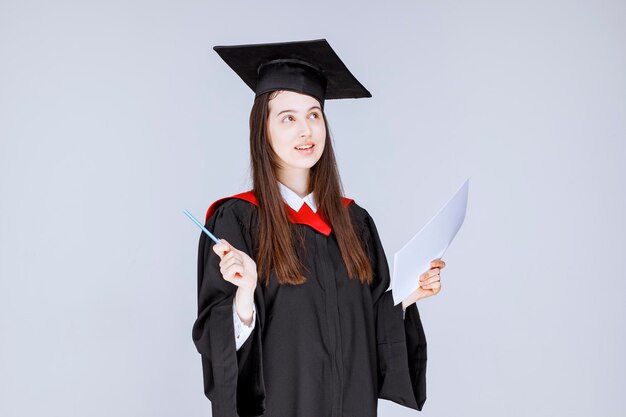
[309, 67]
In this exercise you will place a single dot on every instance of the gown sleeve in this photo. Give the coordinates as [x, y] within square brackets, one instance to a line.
[233, 379]
[401, 342]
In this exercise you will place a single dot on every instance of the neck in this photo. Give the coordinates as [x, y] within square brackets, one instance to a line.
[297, 180]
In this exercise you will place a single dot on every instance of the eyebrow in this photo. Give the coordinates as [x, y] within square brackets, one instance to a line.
[293, 111]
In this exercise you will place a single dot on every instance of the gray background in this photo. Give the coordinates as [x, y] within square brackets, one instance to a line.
[114, 116]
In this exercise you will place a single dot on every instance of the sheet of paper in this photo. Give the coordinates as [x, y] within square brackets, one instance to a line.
[428, 244]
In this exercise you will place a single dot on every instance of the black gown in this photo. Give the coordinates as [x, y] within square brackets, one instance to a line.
[327, 348]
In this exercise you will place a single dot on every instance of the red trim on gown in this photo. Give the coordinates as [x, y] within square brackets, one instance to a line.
[304, 216]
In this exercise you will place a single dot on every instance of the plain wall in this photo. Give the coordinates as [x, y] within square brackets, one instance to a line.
[116, 115]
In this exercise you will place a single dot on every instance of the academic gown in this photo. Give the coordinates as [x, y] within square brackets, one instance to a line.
[327, 348]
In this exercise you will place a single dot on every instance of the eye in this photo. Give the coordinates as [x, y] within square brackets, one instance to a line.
[317, 116]
[288, 117]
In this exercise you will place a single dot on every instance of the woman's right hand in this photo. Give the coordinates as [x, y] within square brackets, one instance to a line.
[236, 266]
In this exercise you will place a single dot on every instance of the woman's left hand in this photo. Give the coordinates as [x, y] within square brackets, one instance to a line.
[430, 284]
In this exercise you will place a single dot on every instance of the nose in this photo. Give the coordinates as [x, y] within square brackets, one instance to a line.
[305, 129]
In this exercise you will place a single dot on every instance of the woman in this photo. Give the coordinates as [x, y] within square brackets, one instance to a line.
[293, 314]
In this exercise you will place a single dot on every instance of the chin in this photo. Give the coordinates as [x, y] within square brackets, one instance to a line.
[312, 162]
[305, 166]
[304, 163]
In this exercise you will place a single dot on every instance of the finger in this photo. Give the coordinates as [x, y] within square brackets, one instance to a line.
[230, 259]
[432, 286]
[229, 255]
[429, 273]
[219, 249]
[228, 246]
[430, 280]
[233, 260]
[222, 248]
[231, 280]
[232, 271]
[437, 263]
[235, 280]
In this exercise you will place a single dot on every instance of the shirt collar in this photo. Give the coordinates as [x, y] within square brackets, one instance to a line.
[294, 200]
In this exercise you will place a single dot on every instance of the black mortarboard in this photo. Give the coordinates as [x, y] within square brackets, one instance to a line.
[309, 67]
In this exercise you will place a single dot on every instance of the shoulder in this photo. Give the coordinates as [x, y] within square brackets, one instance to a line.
[359, 215]
[355, 209]
[238, 205]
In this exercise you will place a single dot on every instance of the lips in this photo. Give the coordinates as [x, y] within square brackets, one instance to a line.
[304, 146]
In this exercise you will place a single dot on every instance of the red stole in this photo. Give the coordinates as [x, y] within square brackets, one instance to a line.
[304, 216]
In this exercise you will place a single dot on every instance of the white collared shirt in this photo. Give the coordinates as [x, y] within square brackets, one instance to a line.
[294, 200]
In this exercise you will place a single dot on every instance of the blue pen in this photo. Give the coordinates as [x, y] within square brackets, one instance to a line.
[193, 219]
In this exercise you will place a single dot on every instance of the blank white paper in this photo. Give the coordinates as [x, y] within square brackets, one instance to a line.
[430, 243]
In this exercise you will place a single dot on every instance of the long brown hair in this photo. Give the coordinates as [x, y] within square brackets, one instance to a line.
[276, 234]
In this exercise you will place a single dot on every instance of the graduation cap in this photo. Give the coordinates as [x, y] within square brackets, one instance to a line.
[309, 67]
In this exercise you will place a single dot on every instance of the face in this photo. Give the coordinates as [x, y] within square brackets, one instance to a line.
[295, 121]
